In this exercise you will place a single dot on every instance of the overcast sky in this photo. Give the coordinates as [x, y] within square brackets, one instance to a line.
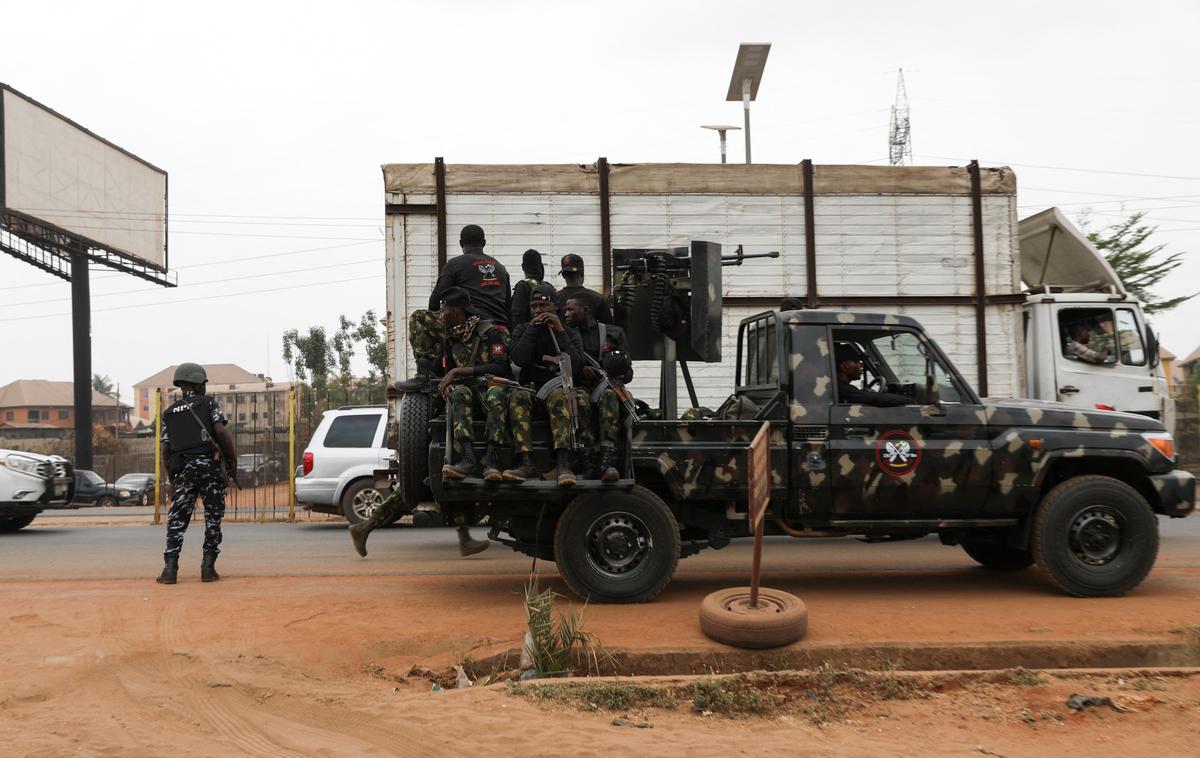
[273, 119]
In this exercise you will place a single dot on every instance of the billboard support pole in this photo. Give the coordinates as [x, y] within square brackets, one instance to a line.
[81, 329]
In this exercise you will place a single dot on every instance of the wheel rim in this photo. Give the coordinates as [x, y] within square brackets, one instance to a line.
[365, 503]
[740, 605]
[1095, 535]
[618, 544]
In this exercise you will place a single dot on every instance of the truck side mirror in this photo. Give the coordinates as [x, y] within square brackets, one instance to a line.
[1152, 346]
[932, 395]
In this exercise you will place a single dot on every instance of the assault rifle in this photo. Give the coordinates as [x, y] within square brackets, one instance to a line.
[616, 385]
[206, 437]
[566, 373]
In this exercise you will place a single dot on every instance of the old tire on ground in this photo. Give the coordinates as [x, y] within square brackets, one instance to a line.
[360, 500]
[412, 429]
[13, 523]
[1095, 536]
[779, 619]
[998, 556]
[619, 547]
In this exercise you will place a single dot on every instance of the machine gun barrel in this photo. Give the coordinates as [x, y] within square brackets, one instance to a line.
[736, 260]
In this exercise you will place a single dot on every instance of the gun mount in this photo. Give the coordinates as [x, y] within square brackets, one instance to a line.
[677, 293]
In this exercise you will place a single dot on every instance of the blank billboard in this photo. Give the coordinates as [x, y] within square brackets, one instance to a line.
[58, 173]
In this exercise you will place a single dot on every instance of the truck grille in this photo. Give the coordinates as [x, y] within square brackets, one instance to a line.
[810, 433]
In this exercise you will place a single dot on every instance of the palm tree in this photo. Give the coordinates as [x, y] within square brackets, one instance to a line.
[103, 385]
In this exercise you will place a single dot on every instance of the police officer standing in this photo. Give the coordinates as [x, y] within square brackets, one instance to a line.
[200, 455]
[483, 277]
[572, 273]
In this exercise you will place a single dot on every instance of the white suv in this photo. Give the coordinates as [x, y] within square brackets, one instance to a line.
[29, 483]
[338, 473]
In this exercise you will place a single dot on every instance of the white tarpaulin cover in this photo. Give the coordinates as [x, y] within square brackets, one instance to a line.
[60, 173]
[1054, 251]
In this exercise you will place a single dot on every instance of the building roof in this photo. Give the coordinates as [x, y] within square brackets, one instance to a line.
[1166, 354]
[1191, 358]
[46, 393]
[218, 373]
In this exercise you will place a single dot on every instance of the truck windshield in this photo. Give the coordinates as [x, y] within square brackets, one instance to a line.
[903, 355]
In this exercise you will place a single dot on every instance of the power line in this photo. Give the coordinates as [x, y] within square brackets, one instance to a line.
[1067, 168]
[197, 299]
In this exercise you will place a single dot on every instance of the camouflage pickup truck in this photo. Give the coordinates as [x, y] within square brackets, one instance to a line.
[1014, 482]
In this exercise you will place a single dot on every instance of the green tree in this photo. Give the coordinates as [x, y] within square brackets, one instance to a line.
[343, 351]
[375, 347]
[311, 358]
[1139, 264]
[103, 385]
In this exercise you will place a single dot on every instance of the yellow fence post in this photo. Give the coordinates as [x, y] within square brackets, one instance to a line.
[157, 456]
[292, 454]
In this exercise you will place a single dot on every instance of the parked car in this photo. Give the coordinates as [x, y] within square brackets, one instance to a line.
[339, 464]
[255, 469]
[91, 489]
[29, 483]
[135, 489]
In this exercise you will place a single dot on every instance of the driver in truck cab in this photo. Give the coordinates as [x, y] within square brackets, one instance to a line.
[849, 369]
[1090, 345]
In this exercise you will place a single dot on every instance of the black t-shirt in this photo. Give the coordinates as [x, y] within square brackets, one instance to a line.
[519, 314]
[530, 343]
[600, 309]
[848, 394]
[481, 275]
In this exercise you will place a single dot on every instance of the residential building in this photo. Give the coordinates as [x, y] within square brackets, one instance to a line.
[1188, 366]
[39, 404]
[252, 402]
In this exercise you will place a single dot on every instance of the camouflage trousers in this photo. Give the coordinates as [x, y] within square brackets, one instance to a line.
[464, 401]
[560, 418]
[425, 333]
[608, 417]
[200, 477]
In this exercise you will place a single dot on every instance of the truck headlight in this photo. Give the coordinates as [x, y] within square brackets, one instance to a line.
[21, 463]
[1163, 442]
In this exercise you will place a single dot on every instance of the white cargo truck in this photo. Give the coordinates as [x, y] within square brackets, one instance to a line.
[943, 245]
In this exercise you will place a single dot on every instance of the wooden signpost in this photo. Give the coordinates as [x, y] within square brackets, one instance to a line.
[759, 476]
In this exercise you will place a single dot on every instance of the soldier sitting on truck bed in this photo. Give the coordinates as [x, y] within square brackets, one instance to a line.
[483, 277]
[535, 274]
[849, 369]
[534, 353]
[606, 344]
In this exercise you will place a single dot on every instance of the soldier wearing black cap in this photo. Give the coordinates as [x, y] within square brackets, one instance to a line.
[483, 277]
[535, 274]
[849, 369]
[572, 273]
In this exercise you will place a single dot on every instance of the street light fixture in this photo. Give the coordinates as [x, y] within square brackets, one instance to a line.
[747, 74]
[721, 129]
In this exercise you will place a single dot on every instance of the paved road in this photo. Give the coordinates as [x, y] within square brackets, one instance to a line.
[323, 549]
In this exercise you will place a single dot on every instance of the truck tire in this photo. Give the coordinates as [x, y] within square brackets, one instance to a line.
[13, 523]
[1095, 536]
[780, 618]
[360, 500]
[619, 547]
[998, 556]
[412, 455]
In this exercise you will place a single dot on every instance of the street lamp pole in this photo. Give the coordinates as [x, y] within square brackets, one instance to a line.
[721, 129]
[747, 75]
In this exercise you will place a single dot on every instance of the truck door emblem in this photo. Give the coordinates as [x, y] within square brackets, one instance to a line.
[897, 453]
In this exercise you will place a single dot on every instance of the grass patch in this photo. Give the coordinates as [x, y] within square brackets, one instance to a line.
[610, 696]
[1024, 677]
[735, 696]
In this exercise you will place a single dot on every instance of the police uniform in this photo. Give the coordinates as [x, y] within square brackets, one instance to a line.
[195, 466]
[485, 278]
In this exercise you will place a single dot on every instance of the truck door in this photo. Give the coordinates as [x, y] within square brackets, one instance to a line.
[1101, 360]
[914, 460]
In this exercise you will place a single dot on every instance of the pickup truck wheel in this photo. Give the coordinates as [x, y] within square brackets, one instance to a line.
[360, 500]
[779, 618]
[998, 556]
[413, 454]
[1095, 536]
[13, 523]
[619, 547]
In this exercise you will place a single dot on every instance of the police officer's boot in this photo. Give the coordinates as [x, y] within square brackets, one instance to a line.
[208, 568]
[465, 465]
[170, 569]
[468, 546]
[525, 469]
[607, 469]
[420, 380]
[565, 476]
[491, 465]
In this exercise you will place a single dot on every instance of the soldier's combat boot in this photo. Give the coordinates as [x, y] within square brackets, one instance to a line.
[358, 535]
[468, 546]
[525, 469]
[208, 568]
[170, 569]
[465, 465]
[491, 465]
[565, 477]
[419, 380]
[608, 472]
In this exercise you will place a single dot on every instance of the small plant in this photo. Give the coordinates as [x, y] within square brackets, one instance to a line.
[1024, 677]
[612, 696]
[557, 642]
[733, 696]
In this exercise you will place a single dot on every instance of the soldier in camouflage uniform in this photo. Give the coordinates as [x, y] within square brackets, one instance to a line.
[195, 443]
[472, 348]
[483, 277]
[1088, 345]
[534, 352]
[605, 344]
